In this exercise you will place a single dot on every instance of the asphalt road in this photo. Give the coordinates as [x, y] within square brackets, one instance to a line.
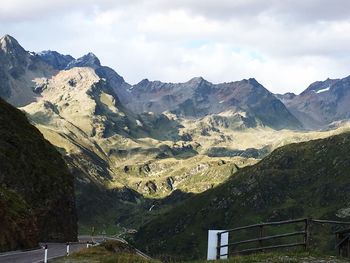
[55, 250]
[35, 256]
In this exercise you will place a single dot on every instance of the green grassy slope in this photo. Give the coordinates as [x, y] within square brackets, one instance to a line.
[36, 188]
[107, 252]
[307, 179]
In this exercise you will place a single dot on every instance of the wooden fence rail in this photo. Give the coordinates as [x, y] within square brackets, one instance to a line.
[305, 234]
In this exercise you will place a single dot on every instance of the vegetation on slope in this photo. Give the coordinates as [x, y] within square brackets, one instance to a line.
[37, 191]
[307, 179]
[285, 257]
[107, 252]
[18, 225]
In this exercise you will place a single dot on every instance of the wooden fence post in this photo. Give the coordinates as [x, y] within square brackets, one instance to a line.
[261, 234]
[307, 233]
[218, 247]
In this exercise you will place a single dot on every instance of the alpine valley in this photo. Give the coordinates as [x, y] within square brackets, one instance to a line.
[138, 151]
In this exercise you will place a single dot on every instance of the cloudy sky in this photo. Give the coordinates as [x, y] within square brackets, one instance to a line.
[284, 44]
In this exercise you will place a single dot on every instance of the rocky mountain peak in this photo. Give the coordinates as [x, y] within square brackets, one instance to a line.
[9, 45]
[196, 80]
[143, 82]
[253, 82]
[320, 86]
[199, 81]
[93, 57]
[88, 60]
[13, 64]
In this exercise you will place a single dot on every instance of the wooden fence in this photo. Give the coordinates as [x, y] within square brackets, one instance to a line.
[304, 234]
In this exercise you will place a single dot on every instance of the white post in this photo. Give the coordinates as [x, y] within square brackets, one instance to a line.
[87, 244]
[213, 242]
[45, 257]
[67, 249]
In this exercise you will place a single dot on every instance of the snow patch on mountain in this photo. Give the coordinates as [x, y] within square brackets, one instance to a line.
[323, 90]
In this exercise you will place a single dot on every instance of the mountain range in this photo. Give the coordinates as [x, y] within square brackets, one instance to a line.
[129, 146]
[322, 103]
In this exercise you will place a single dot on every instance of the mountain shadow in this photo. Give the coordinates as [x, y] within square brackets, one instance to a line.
[37, 192]
[309, 179]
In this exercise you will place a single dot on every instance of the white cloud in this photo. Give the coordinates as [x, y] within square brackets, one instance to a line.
[285, 45]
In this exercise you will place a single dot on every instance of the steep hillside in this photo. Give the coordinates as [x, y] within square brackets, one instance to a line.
[307, 179]
[322, 103]
[37, 192]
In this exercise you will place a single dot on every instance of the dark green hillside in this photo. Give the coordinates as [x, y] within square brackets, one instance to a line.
[36, 189]
[307, 179]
